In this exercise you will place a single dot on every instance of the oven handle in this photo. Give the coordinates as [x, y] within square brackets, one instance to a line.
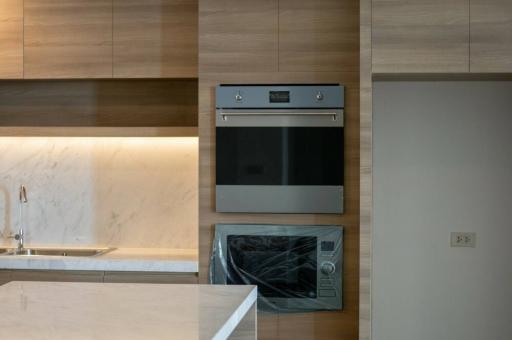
[225, 115]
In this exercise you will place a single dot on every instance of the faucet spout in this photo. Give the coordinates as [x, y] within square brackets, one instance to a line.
[23, 194]
[20, 235]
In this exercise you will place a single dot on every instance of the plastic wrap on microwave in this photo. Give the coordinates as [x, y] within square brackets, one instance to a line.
[296, 267]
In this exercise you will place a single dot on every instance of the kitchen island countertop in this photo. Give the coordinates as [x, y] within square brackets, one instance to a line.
[98, 311]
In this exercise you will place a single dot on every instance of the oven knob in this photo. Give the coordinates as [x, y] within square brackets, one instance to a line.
[319, 96]
[328, 268]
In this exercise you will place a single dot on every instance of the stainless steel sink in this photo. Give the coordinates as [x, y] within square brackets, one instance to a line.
[57, 252]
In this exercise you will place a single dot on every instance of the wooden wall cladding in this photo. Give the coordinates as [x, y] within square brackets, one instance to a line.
[68, 38]
[11, 39]
[238, 36]
[491, 36]
[321, 35]
[420, 36]
[244, 41]
[155, 38]
[318, 326]
[103, 103]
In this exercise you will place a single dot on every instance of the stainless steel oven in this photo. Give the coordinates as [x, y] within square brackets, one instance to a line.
[279, 148]
[296, 268]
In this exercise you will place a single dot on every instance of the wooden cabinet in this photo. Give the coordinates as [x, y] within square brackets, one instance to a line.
[491, 36]
[141, 277]
[68, 38]
[96, 276]
[155, 38]
[420, 36]
[238, 36]
[56, 275]
[11, 39]
[320, 35]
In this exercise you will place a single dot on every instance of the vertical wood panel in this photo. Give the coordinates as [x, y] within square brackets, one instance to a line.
[320, 326]
[238, 36]
[11, 39]
[225, 57]
[321, 35]
[420, 36]
[155, 38]
[68, 38]
[366, 195]
[491, 36]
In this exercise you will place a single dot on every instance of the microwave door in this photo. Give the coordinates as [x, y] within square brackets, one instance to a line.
[283, 267]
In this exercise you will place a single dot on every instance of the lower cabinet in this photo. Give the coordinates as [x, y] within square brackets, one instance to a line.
[143, 277]
[96, 276]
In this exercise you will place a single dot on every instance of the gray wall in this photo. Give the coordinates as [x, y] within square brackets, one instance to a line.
[442, 163]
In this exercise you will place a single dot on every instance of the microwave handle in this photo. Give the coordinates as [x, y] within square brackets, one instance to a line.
[225, 115]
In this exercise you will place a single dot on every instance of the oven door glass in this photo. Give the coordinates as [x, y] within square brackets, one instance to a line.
[280, 156]
[281, 266]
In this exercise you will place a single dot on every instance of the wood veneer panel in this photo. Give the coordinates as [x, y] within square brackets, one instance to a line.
[99, 103]
[11, 39]
[155, 38]
[329, 325]
[320, 35]
[5, 276]
[420, 36]
[238, 36]
[57, 275]
[142, 277]
[491, 36]
[366, 172]
[68, 38]
[227, 58]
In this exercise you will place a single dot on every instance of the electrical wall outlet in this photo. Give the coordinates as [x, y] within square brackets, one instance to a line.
[463, 240]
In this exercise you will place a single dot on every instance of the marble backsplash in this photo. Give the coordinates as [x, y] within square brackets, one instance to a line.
[101, 191]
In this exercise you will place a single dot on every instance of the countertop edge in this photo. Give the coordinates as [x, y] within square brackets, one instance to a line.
[234, 320]
[165, 264]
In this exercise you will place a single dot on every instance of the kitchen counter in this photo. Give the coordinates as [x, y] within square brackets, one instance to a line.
[97, 311]
[123, 259]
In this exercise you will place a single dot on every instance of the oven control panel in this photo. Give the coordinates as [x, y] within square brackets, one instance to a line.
[280, 96]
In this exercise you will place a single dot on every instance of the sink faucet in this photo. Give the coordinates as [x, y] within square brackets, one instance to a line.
[23, 199]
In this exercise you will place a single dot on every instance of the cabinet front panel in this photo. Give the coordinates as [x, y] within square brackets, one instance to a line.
[491, 36]
[68, 38]
[420, 36]
[11, 39]
[320, 35]
[238, 36]
[155, 38]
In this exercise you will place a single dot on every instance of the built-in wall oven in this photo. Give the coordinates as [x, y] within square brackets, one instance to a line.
[279, 148]
[296, 268]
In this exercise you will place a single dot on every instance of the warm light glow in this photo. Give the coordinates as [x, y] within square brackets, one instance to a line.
[136, 141]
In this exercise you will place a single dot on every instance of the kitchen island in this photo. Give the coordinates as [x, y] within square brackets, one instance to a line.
[100, 311]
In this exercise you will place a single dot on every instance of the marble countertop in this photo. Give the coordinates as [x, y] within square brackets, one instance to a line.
[123, 259]
[97, 311]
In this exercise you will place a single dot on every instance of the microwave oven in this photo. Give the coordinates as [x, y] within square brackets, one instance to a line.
[280, 148]
[296, 267]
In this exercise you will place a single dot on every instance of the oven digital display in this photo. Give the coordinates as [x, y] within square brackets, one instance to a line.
[279, 96]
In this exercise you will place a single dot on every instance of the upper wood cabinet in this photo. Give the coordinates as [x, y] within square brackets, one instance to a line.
[68, 38]
[11, 39]
[420, 36]
[320, 35]
[155, 38]
[238, 36]
[491, 36]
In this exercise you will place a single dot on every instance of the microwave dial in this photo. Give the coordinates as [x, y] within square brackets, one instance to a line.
[328, 268]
